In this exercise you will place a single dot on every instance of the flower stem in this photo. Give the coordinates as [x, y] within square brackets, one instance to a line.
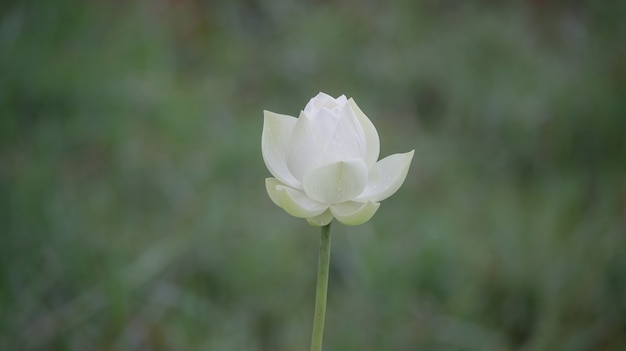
[320, 291]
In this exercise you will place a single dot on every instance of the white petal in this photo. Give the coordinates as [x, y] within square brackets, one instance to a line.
[305, 152]
[354, 213]
[321, 220]
[336, 182]
[341, 100]
[386, 177]
[323, 100]
[346, 140]
[371, 135]
[293, 201]
[277, 130]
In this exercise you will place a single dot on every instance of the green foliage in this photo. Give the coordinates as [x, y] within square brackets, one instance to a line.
[133, 214]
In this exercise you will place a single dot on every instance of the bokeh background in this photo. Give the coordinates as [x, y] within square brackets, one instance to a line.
[133, 214]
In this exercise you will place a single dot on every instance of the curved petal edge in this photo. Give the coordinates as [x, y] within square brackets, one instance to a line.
[293, 201]
[354, 213]
[321, 220]
[371, 135]
[386, 177]
[277, 130]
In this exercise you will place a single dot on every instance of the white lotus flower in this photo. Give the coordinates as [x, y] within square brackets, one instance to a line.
[325, 165]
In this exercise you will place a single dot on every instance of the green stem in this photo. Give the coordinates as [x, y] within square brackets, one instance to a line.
[320, 291]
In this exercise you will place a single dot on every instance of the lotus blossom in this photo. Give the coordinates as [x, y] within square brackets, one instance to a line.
[325, 163]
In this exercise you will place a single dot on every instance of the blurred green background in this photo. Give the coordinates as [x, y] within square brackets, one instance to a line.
[133, 214]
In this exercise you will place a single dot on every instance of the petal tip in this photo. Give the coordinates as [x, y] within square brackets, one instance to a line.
[387, 177]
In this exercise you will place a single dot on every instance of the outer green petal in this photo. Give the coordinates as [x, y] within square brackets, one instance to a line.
[354, 213]
[386, 177]
[371, 135]
[336, 182]
[321, 220]
[293, 201]
[277, 130]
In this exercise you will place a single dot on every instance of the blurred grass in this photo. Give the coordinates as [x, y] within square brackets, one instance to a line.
[134, 217]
